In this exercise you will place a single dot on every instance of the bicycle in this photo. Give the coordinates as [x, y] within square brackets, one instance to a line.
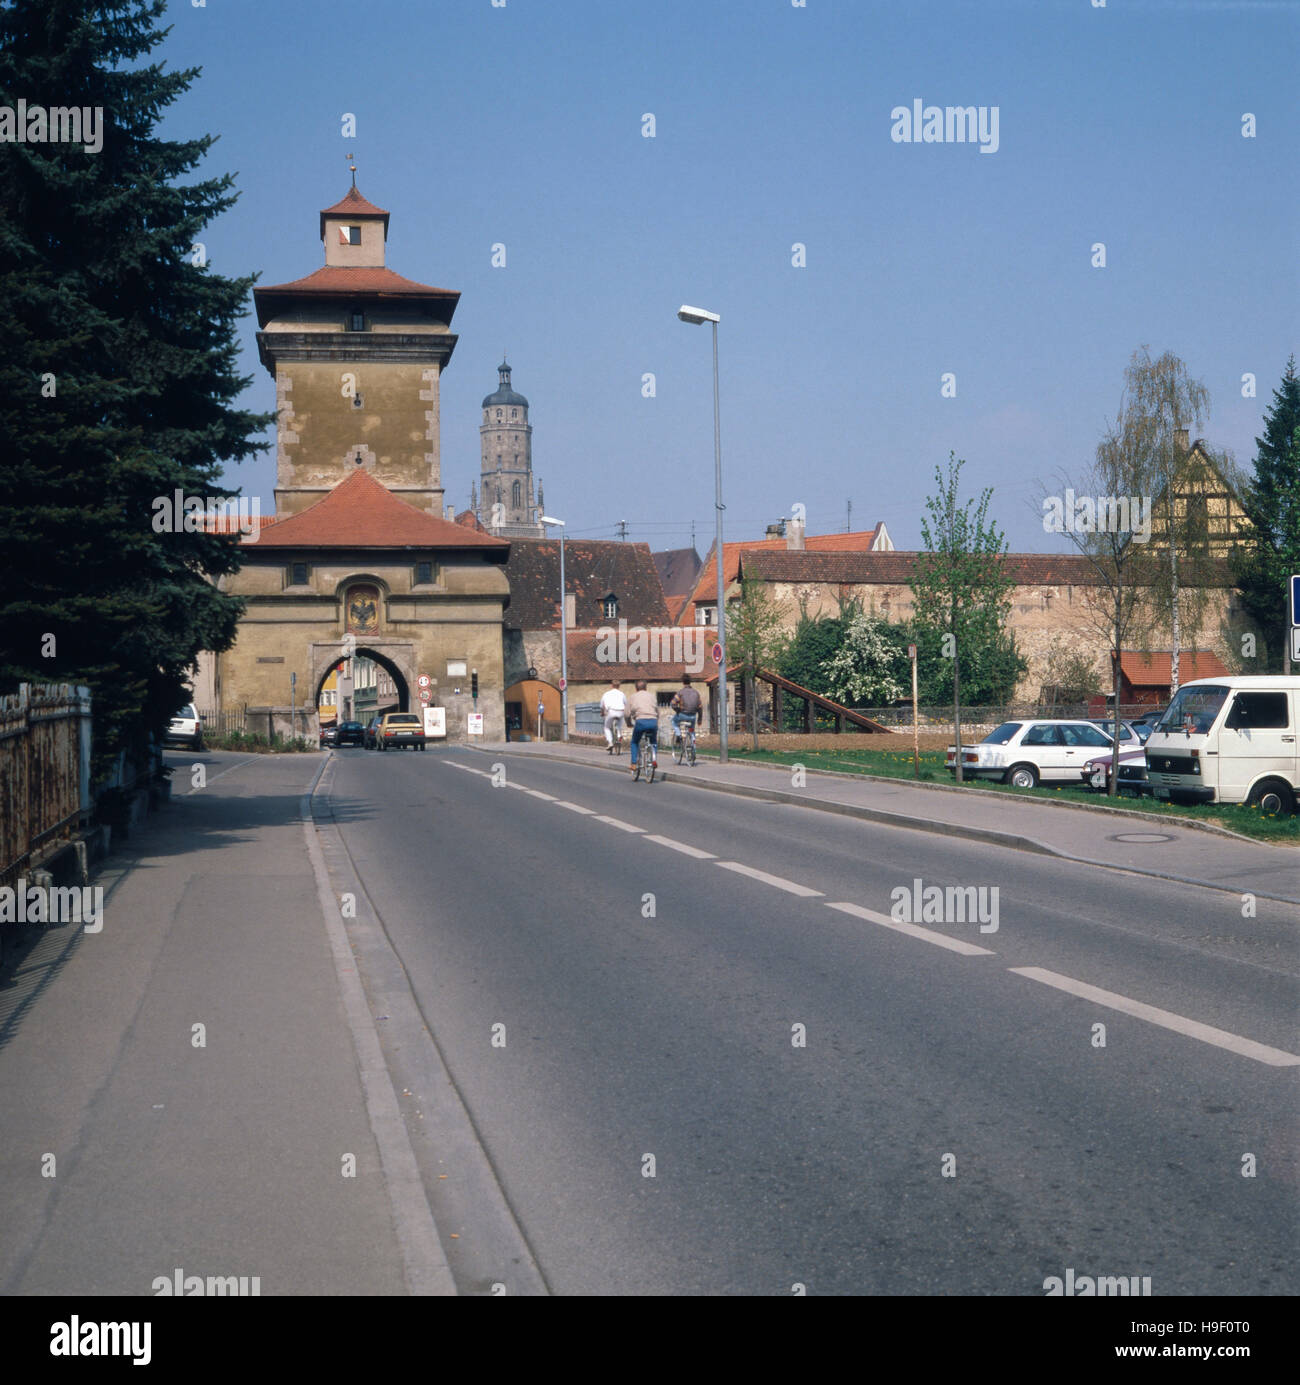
[684, 743]
[617, 747]
[647, 759]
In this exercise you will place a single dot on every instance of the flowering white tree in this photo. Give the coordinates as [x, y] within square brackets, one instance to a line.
[862, 669]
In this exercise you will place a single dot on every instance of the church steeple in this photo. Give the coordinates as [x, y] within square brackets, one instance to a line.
[506, 503]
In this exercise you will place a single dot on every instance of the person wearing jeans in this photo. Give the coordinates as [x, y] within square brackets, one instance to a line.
[643, 712]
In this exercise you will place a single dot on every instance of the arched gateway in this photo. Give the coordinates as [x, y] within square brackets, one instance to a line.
[358, 554]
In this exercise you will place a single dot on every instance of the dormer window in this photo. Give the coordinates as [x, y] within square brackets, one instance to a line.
[350, 235]
[610, 607]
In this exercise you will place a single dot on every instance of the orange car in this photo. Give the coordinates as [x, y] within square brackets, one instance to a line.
[397, 730]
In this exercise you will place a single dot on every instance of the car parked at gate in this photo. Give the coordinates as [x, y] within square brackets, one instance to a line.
[350, 733]
[370, 739]
[400, 731]
[1032, 751]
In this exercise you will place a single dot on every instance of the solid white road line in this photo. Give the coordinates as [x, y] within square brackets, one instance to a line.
[622, 826]
[1194, 1029]
[789, 886]
[927, 935]
[681, 846]
[574, 807]
[545, 797]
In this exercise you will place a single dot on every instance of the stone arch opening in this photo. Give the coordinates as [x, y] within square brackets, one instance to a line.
[362, 699]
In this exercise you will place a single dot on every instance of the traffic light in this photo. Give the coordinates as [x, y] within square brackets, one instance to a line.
[473, 685]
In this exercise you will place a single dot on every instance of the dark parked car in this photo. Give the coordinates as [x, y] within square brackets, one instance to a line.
[350, 733]
[327, 734]
[370, 740]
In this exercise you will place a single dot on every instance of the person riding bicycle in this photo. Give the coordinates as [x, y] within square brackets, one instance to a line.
[686, 706]
[643, 712]
[613, 707]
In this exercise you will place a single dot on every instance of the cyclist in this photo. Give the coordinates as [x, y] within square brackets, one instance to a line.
[643, 712]
[613, 707]
[686, 706]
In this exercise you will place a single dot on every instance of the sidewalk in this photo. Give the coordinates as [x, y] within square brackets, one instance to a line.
[1094, 835]
[188, 1089]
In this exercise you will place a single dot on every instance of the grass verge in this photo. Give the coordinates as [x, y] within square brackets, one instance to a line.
[1250, 822]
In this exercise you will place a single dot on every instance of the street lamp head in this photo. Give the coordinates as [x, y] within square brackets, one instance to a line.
[697, 315]
[546, 519]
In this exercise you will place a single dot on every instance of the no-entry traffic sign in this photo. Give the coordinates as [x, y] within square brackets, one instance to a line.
[717, 653]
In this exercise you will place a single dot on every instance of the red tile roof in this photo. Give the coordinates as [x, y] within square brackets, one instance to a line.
[361, 513]
[1155, 669]
[353, 204]
[706, 585]
[586, 667]
[343, 281]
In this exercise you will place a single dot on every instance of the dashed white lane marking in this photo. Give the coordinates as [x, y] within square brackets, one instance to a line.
[574, 807]
[789, 886]
[925, 934]
[681, 846]
[622, 826]
[469, 769]
[1194, 1029]
[545, 797]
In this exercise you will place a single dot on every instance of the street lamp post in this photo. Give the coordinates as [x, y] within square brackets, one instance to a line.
[699, 316]
[564, 636]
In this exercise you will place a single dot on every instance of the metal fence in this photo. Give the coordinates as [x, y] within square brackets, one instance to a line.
[44, 770]
[225, 721]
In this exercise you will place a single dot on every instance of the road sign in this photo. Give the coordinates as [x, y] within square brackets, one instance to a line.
[717, 653]
[564, 683]
[424, 681]
[426, 694]
[1295, 644]
[911, 651]
[475, 724]
[1295, 598]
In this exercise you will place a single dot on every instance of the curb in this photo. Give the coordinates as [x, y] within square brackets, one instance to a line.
[1014, 841]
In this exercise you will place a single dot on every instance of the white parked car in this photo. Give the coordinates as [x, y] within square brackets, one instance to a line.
[1025, 753]
[185, 728]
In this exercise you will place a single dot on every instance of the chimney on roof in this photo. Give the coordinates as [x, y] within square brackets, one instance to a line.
[775, 531]
[794, 536]
[1180, 439]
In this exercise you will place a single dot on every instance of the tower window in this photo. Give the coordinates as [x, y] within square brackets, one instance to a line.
[514, 413]
[498, 413]
[516, 496]
[351, 235]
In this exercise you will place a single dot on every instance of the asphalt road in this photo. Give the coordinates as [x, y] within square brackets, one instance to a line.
[828, 1100]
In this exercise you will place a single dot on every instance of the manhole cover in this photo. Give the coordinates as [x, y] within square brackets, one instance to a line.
[1141, 838]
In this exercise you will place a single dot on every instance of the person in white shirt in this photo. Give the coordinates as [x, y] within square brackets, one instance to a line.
[613, 707]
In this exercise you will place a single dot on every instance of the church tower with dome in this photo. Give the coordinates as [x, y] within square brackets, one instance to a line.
[506, 503]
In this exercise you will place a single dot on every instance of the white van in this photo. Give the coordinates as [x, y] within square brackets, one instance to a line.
[1229, 740]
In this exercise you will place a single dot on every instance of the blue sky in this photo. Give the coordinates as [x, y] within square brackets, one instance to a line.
[522, 124]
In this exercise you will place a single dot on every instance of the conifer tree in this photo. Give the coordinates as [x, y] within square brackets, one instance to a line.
[1264, 563]
[118, 375]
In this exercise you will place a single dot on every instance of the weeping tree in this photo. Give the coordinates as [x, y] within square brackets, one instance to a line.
[1169, 403]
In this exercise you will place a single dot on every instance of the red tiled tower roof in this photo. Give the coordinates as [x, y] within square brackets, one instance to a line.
[361, 513]
[353, 204]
